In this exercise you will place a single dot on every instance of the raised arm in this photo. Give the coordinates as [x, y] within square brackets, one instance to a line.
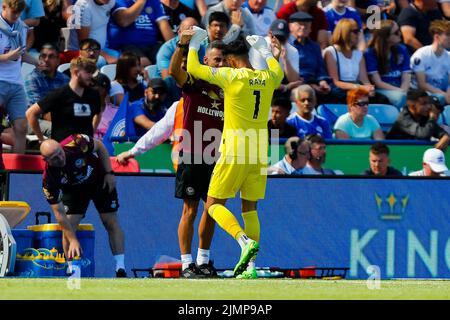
[180, 75]
[260, 45]
[215, 76]
[124, 17]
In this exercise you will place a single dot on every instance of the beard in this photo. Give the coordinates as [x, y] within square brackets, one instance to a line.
[152, 105]
[85, 83]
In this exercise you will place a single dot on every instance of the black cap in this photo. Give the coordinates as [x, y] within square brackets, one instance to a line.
[436, 102]
[300, 16]
[102, 80]
[415, 94]
[157, 83]
[279, 27]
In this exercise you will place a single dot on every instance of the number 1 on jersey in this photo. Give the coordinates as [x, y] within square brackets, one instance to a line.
[257, 94]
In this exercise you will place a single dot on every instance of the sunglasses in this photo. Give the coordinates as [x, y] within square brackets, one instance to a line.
[362, 103]
[355, 31]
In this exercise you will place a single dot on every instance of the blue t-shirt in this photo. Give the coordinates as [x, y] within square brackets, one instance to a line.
[398, 63]
[311, 63]
[304, 127]
[137, 109]
[143, 32]
[365, 132]
[333, 17]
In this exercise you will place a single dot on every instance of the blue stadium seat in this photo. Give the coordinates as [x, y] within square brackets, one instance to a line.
[109, 70]
[332, 111]
[445, 116]
[385, 114]
[63, 67]
[153, 71]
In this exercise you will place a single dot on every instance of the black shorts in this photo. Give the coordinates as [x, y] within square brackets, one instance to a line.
[192, 181]
[76, 200]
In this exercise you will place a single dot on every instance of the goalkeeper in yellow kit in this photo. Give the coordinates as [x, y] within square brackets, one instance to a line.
[243, 161]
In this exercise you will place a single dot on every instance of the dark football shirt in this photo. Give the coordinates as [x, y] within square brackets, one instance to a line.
[82, 168]
[412, 16]
[391, 171]
[203, 109]
[71, 113]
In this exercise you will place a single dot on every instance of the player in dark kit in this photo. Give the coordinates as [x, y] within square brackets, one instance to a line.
[79, 170]
[199, 122]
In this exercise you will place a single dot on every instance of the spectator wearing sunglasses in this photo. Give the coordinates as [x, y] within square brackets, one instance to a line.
[346, 64]
[357, 123]
[388, 63]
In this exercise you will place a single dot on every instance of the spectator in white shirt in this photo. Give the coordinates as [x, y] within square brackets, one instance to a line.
[431, 64]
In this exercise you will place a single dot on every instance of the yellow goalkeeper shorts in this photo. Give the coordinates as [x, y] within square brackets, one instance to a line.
[229, 177]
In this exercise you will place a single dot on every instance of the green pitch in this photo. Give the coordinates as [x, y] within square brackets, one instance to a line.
[220, 289]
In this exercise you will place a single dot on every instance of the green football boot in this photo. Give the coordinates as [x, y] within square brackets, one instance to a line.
[248, 274]
[248, 252]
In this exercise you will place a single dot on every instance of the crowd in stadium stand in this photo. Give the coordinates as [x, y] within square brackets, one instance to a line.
[339, 52]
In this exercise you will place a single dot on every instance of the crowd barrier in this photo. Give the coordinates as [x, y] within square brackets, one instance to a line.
[349, 156]
[392, 228]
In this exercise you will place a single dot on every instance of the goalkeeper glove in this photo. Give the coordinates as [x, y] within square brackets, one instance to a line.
[259, 44]
[197, 38]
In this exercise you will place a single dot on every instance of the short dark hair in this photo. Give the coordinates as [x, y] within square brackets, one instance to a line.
[50, 46]
[237, 47]
[102, 80]
[415, 94]
[89, 42]
[379, 148]
[283, 103]
[314, 138]
[219, 16]
[216, 44]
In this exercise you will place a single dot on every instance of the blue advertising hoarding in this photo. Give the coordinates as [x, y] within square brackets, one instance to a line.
[399, 225]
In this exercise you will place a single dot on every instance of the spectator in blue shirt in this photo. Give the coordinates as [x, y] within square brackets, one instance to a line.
[168, 48]
[337, 10]
[312, 66]
[150, 109]
[135, 24]
[262, 14]
[304, 120]
[44, 79]
[387, 62]
[178, 12]
[386, 7]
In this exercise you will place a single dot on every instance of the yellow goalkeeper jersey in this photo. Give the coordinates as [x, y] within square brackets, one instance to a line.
[247, 100]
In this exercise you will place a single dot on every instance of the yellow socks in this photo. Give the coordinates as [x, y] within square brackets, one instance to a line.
[226, 220]
[251, 223]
